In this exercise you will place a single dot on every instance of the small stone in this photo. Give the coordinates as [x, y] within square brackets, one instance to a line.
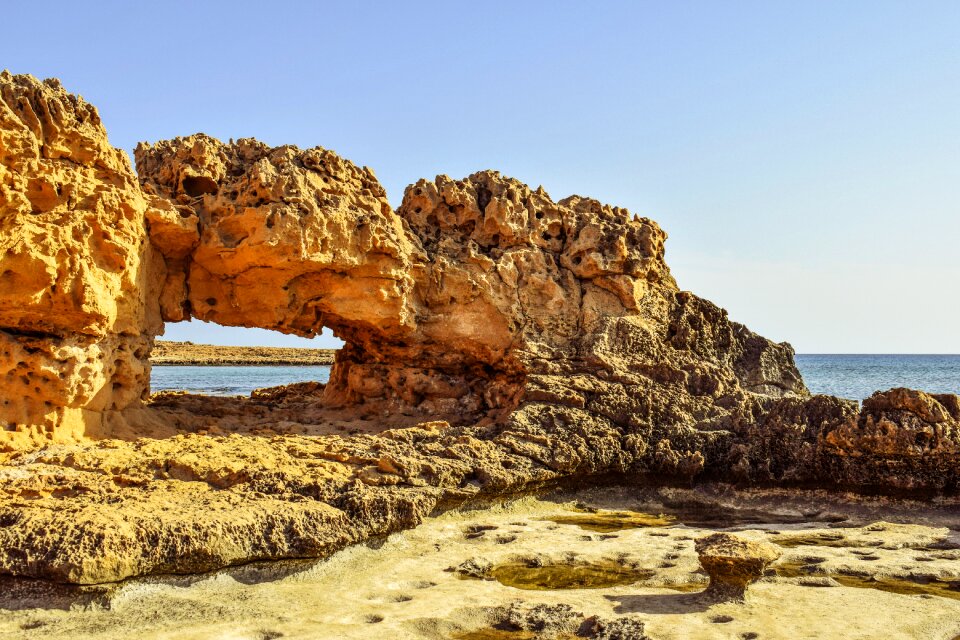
[474, 568]
[616, 629]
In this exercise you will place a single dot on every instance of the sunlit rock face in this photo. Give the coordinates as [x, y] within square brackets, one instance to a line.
[475, 298]
[446, 305]
[76, 309]
[522, 342]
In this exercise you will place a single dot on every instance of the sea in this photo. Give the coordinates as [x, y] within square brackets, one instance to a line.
[231, 380]
[861, 375]
[847, 376]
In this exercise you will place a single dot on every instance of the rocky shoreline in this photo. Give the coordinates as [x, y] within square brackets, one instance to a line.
[496, 342]
[602, 563]
[168, 353]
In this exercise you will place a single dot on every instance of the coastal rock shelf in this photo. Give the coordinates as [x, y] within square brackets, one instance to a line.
[496, 341]
[167, 352]
[531, 578]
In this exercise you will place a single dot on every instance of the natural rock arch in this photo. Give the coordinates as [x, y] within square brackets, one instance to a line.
[473, 296]
[524, 342]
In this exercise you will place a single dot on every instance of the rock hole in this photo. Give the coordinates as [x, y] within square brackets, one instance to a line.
[195, 186]
[483, 197]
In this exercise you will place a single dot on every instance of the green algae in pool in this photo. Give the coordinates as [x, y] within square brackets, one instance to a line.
[596, 575]
[685, 587]
[822, 539]
[607, 521]
[901, 586]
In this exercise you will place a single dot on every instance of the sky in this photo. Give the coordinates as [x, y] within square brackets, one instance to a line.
[804, 157]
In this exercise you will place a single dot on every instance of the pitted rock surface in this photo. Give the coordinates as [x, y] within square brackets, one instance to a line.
[733, 563]
[497, 341]
[76, 318]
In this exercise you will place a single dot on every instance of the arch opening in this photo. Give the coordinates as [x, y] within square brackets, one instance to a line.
[204, 358]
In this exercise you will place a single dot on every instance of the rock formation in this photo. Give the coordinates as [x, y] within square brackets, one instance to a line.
[448, 305]
[733, 563]
[496, 341]
[75, 290]
[902, 439]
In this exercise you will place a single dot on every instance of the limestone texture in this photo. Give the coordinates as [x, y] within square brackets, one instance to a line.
[733, 563]
[75, 289]
[497, 341]
[843, 575]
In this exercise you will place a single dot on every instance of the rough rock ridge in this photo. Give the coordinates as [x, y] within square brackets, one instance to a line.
[497, 341]
[75, 290]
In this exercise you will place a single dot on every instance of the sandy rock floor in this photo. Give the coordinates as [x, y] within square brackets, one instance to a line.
[844, 573]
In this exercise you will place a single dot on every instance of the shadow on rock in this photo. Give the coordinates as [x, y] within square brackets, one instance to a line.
[662, 603]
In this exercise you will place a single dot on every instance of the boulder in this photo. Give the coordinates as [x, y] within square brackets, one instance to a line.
[733, 563]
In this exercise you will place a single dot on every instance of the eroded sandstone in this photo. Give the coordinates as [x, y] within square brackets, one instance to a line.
[497, 341]
[733, 563]
[76, 317]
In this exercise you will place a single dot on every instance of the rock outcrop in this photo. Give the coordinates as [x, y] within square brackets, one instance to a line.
[75, 288]
[733, 563]
[496, 341]
[447, 305]
[901, 439]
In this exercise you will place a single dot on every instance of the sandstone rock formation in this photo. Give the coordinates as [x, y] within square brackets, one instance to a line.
[475, 295]
[496, 341]
[75, 290]
[447, 305]
[733, 563]
[901, 438]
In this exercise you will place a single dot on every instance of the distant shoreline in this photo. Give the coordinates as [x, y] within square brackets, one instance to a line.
[169, 353]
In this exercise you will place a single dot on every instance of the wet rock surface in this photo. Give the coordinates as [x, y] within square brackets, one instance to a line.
[400, 587]
[498, 341]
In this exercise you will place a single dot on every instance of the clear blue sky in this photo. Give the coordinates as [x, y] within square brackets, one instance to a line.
[804, 157]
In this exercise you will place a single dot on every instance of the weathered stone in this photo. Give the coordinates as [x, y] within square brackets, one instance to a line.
[901, 422]
[733, 563]
[76, 312]
[496, 341]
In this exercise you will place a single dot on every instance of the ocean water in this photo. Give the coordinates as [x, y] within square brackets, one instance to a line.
[232, 381]
[847, 376]
[858, 376]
